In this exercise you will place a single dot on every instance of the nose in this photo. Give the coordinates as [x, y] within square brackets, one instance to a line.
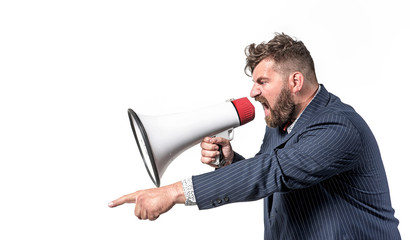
[255, 91]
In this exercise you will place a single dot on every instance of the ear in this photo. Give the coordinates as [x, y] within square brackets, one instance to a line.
[296, 81]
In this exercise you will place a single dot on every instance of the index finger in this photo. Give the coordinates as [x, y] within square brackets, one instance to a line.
[219, 140]
[129, 198]
[206, 139]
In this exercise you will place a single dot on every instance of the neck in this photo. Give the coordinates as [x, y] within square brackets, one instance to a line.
[304, 101]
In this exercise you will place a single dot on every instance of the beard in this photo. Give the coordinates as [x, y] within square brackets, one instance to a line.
[283, 110]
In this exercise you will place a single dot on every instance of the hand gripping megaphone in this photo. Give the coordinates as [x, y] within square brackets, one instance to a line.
[162, 138]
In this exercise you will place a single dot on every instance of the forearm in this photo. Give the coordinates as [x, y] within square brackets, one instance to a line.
[246, 180]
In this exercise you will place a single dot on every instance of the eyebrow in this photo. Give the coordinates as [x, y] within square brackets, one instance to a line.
[259, 79]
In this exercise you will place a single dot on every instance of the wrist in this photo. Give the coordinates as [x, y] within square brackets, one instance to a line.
[178, 193]
[229, 159]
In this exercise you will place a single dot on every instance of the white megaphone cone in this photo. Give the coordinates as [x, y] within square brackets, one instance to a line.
[161, 139]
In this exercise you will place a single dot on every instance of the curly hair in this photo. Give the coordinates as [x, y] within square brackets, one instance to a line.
[288, 54]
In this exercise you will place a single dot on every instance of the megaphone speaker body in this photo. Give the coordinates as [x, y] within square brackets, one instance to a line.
[162, 138]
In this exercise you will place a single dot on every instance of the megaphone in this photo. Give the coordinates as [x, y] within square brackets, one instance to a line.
[162, 138]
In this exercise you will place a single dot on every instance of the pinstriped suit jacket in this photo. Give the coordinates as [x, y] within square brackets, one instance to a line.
[324, 180]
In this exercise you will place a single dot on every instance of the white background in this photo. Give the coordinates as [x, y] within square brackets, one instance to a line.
[69, 70]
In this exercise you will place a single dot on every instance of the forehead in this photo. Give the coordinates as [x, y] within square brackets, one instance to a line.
[264, 69]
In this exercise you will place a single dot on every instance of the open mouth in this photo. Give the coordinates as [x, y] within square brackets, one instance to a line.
[265, 104]
[265, 108]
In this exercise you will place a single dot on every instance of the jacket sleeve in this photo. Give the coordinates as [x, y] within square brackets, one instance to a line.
[237, 157]
[321, 150]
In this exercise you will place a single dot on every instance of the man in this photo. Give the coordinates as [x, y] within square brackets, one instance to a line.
[319, 168]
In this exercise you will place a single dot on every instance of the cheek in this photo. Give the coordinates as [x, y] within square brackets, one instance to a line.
[272, 103]
[272, 96]
[271, 100]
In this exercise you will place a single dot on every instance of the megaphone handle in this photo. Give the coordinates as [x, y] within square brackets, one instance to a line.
[220, 159]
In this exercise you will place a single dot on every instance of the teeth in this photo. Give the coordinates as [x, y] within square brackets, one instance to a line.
[264, 105]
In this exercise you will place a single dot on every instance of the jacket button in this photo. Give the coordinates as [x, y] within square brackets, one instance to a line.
[219, 201]
[212, 203]
[226, 199]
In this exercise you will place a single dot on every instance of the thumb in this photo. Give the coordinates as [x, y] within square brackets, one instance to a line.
[130, 198]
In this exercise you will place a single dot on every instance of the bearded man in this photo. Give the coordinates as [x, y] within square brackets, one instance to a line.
[319, 169]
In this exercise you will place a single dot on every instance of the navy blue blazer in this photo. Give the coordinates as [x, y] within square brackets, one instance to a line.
[324, 180]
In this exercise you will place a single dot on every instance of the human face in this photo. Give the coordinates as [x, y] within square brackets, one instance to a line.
[271, 90]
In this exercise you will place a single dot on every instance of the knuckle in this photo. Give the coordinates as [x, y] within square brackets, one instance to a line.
[206, 153]
[139, 200]
[204, 160]
[208, 160]
[153, 217]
